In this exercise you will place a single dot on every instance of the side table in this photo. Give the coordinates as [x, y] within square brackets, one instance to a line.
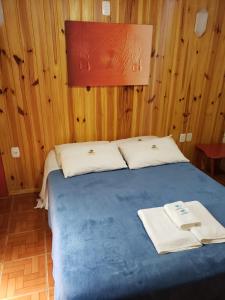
[214, 152]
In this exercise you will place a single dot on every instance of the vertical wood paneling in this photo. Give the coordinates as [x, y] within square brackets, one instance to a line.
[186, 91]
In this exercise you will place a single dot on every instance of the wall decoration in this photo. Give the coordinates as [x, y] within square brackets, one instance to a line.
[101, 54]
[201, 22]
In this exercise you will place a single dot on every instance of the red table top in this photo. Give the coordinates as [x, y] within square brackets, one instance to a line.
[213, 150]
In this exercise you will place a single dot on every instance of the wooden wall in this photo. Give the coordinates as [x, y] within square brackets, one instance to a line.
[186, 91]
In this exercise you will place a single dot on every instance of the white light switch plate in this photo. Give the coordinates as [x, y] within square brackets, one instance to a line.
[15, 152]
[106, 8]
[189, 137]
[182, 137]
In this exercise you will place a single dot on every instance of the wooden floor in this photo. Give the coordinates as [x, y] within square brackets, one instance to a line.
[25, 250]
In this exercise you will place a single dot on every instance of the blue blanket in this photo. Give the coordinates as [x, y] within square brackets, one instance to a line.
[101, 250]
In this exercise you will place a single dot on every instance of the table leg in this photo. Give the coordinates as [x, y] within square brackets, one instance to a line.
[200, 162]
[212, 167]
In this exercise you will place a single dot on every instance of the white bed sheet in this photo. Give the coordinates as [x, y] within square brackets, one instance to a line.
[50, 165]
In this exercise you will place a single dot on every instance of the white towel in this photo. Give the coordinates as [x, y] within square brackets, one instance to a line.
[210, 231]
[164, 234]
[181, 215]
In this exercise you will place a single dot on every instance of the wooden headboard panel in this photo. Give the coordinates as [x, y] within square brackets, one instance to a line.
[37, 109]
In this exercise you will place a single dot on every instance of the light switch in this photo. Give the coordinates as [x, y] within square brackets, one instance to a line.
[182, 137]
[15, 152]
[106, 8]
[189, 137]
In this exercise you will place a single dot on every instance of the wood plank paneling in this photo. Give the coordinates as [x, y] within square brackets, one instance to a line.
[186, 91]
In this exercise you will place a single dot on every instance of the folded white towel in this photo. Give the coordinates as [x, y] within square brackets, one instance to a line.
[164, 234]
[210, 231]
[181, 215]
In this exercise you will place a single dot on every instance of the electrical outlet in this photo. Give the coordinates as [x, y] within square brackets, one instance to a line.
[15, 152]
[182, 137]
[189, 137]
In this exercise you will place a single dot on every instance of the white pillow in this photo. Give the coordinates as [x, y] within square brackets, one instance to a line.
[70, 146]
[153, 152]
[132, 139]
[91, 158]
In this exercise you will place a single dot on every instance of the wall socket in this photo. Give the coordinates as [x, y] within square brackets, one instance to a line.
[185, 137]
[189, 137]
[182, 137]
[15, 152]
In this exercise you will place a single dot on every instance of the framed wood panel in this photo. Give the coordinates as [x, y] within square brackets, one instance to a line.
[101, 54]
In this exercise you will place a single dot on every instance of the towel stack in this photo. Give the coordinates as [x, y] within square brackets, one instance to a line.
[180, 226]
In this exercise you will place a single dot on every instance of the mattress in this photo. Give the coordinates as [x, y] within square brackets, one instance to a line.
[101, 251]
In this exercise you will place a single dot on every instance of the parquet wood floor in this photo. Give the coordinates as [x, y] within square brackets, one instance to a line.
[25, 250]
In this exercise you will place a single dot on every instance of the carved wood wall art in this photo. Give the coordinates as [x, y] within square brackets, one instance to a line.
[101, 54]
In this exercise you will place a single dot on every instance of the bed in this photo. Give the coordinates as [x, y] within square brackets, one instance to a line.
[101, 251]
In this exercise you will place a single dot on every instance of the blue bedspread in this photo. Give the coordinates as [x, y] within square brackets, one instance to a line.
[101, 250]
